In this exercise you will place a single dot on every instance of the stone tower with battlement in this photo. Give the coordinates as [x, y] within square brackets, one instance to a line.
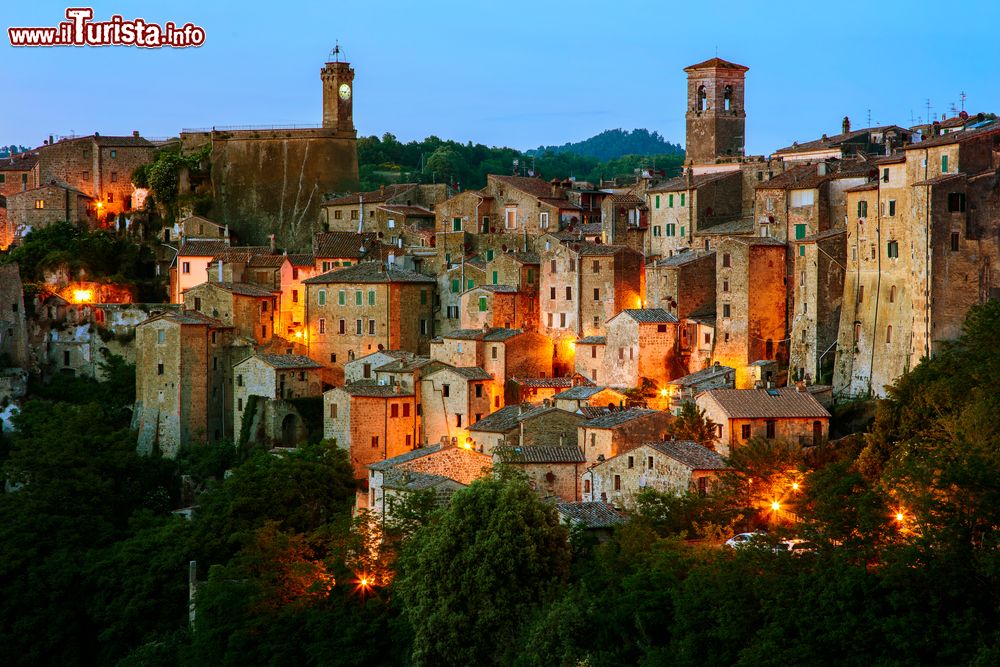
[338, 96]
[716, 118]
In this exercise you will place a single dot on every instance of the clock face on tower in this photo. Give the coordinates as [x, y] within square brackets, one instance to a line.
[344, 91]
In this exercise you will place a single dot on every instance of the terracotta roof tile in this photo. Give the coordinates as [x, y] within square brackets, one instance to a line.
[617, 418]
[369, 272]
[593, 515]
[786, 402]
[717, 63]
[372, 196]
[691, 454]
[540, 454]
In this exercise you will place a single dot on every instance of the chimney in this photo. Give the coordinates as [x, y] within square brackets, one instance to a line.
[821, 168]
[800, 386]
[397, 388]
[381, 189]
[846, 125]
[135, 133]
[486, 328]
[768, 384]
[226, 232]
[51, 140]
[220, 270]
[271, 239]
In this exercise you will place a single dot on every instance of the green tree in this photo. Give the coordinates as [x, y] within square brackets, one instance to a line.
[692, 424]
[470, 577]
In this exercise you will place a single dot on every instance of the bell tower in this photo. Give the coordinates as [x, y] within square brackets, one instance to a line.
[338, 93]
[716, 119]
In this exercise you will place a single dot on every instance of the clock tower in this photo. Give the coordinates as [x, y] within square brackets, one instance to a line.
[338, 94]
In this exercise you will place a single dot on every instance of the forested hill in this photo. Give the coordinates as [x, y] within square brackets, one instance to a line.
[385, 159]
[613, 144]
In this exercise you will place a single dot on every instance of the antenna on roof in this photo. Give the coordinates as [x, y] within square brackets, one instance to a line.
[869, 118]
[928, 104]
[335, 52]
[961, 97]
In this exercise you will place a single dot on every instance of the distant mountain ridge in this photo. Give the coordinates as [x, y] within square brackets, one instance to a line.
[613, 144]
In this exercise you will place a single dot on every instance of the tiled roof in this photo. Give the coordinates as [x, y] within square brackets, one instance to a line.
[628, 199]
[408, 211]
[302, 259]
[717, 63]
[472, 372]
[202, 248]
[547, 383]
[526, 257]
[370, 388]
[808, 176]
[344, 245]
[591, 514]
[691, 454]
[592, 340]
[129, 141]
[940, 179]
[369, 272]
[403, 458]
[412, 480]
[502, 289]
[287, 361]
[499, 334]
[683, 258]
[535, 187]
[786, 402]
[759, 240]
[403, 365]
[617, 418]
[836, 140]
[864, 186]
[954, 137]
[680, 183]
[266, 261]
[580, 393]
[240, 289]
[696, 378]
[464, 334]
[19, 162]
[822, 236]
[243, 254]
[501, 421]
[540, 454]
[372, 196]
[649, 315]
[740, 226]
[593, 412]
[189, 317]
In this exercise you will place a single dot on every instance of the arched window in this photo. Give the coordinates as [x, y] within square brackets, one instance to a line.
[888, 334]
[702, 99]
[892, 294]
[727, 98]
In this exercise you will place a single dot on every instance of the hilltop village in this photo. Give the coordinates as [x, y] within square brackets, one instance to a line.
[553, 325]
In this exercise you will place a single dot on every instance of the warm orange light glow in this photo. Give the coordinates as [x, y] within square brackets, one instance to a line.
[83, 295]
[900, 516]
[775, 506]
[663, 393]
[795, 486]
[298, 334]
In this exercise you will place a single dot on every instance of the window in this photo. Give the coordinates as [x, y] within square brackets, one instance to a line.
[479, 391]
[597, 294]
[802, 251]
[944, 164]
[458, 419]
[597, 266]
[569, 293]
[493, 351]
[550, 320]
[394, 410]
[649, 462]
[802, 278]
[342, 297]
[657, 201]
[263, 331]
[358, 327]
[342, 327]
[801, 198]
[445, 390]
[892, 249]
[885, 175]
[489, 255]
[618, 482]
[572, 264]
[656, 231]
[725, 285]
[861, 293]
[771, 429]
[197, 303]
[727, 260]
[892, 294]
[374, 441]
[161, 336]
[371, 327]
[552, 292]
[857, 332]
[671, 229]
[371, 297]
[631, 462]
[322, 325]
[745, 431]
[406, 409]
[496, 277]
[531, 276]
[562, 320]
[682, 231]
[954, 241]
[892, 207]
[470, 283]
[862, 209]
[800, 231]
[338, 214]
[482, 304]
[888, 334]
[185, 267]
[295, 296]
[354, 214]
[593, 351]
[727, 98]
[359, 298]
[333, 357]
[423, 327]
[456, 224]
[586, 486]
[621, 354]
[682, 199]
[452, 312]
[726, 310]
[423, 297]
[510, 218]
[874, 251]
[670, 201]
[239, 404]
[597, 321]
[114, 153]
[543, 220]
[455, 283]
[956, 202]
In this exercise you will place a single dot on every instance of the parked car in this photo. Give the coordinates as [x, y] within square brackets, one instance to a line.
[744, 539]
[795, 546]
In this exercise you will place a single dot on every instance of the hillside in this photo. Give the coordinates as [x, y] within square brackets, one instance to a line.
[613, 144]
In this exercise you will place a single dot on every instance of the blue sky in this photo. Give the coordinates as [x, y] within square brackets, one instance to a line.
[509, 73]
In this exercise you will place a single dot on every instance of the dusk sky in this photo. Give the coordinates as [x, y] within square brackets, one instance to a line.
[503, 73]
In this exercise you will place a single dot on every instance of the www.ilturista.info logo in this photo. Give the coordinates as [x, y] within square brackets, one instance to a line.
[80, 30]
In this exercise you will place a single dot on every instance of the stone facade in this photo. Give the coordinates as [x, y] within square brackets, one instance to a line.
[817, 294]
[452, 399]
[683, 206]
[361, 309]
[441, 469]
[249, 309]
[716, 118]
[271, 377]
[642, 349]
[13, 324]
[499, 306]
[682, 284]
[48, 204]
[620, 431]
[553, 471]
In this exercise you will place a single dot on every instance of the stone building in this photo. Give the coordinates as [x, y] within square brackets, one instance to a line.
[625, 220]
[817, 281]
[642, 349]
[18, 173]
[339, 249]
[13, 324]
[524, 425]
[881, 140]
[716, 118]
[919, 255]
[443, 469]
[194, 227]
[452, 398]
[552, 470]
[249, 309]
[588, 357]
[683, 206]
[372, 422]
[365, 367]
[502, 306]
[353, 311]
[621, 430]
[676, 467]
[684, 389]
[457, 276]
[789, 413]
[272, 181]
[273, 379]
[47, 204]
[385, 212]
[750, 303]
[538, 389]
[582, 286]
[98, 166]
[183, 374]
[682, 284]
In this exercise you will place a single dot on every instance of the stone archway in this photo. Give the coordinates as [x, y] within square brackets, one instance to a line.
[289, 430]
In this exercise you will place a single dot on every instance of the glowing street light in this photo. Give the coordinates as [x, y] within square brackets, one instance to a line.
[900, 516]
[663, 392]
[795, 486]
[83, 296]
[775, 505]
